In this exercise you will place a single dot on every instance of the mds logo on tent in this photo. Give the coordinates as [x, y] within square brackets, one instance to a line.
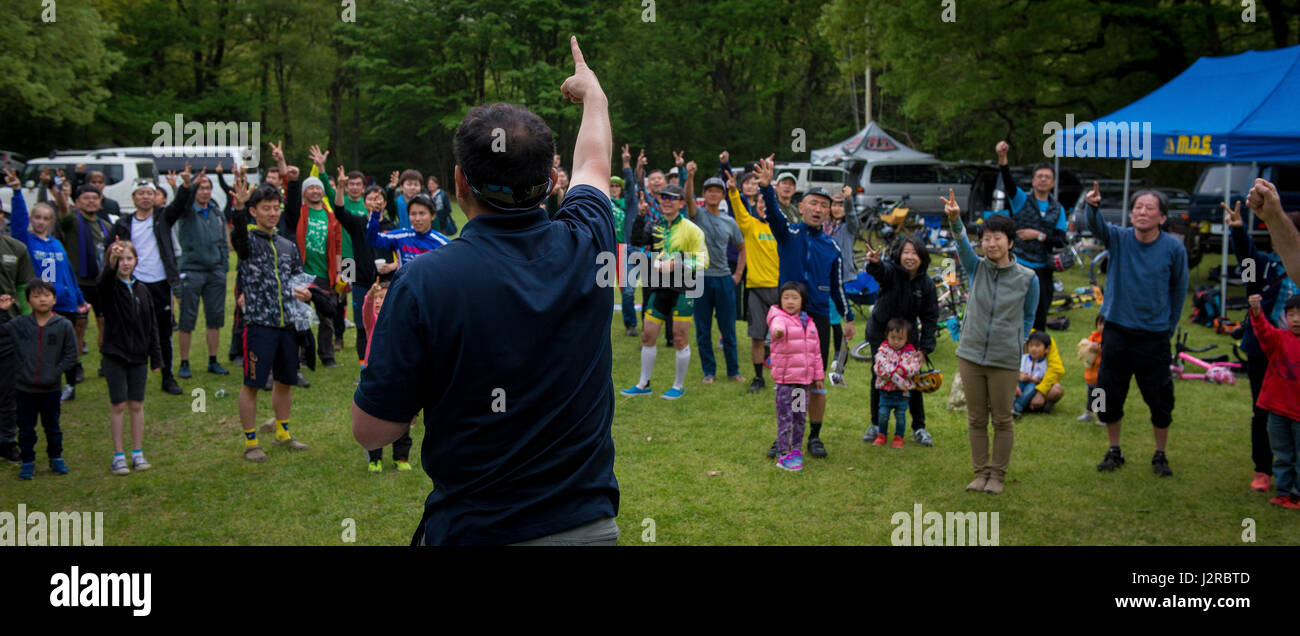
[1193, 145]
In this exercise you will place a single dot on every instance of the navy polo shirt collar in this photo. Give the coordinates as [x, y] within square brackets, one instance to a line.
[496, 223]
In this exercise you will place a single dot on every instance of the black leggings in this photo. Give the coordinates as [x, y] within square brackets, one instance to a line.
[401, 449]
[1046, 290]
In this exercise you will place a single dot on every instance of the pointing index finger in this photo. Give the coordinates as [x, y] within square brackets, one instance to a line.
[577, 52]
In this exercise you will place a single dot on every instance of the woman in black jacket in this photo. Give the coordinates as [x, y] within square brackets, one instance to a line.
[905, 292]
[129, 350]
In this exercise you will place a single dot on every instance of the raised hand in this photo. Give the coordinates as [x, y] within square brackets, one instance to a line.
[292, 173]
[11, 179]
[318, 157]
[202, 173]
[1002, 149]
[1254, 302]
[1263, 199]
[392, 179]
[6, 302]
[873, 255]
[241, 192]
[847, 191]
[950, 206]
[729, 179]
[690, 168]
[679, 157]
[218, 167]
[187, 174]
[277, 151]
[171, 179]
[627, 156]
[1232, 216]
[765, 169]
[342, 174]
[583, 82]
[724, 157]
[641, 160]
[1093, 197]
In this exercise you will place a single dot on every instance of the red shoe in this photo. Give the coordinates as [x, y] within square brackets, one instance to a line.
[1285, 501]
[880, 440]
[1260, 482]
[898, 441]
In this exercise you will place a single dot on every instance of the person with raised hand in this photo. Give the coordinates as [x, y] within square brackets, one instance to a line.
[204, 260]
[130, 348]
[517, 434]
[1146, 287]
[720, 231]
[999, 316]
[1266, 203]
[810, 257]
[1040, 222]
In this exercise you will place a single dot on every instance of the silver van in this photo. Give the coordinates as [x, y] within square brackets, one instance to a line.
[923, 180]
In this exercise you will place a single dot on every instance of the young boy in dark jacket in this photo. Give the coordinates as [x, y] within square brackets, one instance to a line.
[45, 345]
[130, 349]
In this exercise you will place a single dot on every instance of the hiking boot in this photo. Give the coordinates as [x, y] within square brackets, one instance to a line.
[1160, 465]
[771, 452]
[118, 467]
[169, 385]
[816, 448]
[217, 369]
[58, 466]
[993, 485]
[1260, 482]
[922, 437]
[981, 481]
[757, 385]
[27, 471]
[292, 443]
[255, 454]
[1114, 459]
[184, 372]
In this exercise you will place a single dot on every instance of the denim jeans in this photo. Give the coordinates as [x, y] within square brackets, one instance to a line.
[895, 401]
[1283, 437]
[1027, 391]
[720, 295]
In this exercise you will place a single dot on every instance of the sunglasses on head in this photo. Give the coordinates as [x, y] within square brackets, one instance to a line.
[664, 196]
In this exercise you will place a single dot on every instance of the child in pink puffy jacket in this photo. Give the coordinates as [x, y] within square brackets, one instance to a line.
[797, 366]
[896, 362]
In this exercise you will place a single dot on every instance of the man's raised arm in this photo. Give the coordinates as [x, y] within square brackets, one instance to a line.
[1266, 203]
[595, 145]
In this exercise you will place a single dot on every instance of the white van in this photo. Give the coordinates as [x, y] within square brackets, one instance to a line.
[924, 180]
[807, 176]
[119, 174]
[173, 159]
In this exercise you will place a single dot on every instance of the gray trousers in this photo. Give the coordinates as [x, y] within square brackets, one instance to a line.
[601, 532]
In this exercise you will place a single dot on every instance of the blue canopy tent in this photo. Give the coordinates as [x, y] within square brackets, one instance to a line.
[1236, 109]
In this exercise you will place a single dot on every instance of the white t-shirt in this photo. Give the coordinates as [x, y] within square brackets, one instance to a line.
[149, 266]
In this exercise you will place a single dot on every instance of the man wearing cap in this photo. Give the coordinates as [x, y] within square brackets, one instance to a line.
[678, 256]
[320, 242]
[517, 435]
[155, 266]
[762, 267]
[719, 282]
[810, 257]
[204, 260]
[785, 186]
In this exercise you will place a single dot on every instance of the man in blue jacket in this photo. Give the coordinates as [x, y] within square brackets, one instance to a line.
[518, 440]
[812, 258]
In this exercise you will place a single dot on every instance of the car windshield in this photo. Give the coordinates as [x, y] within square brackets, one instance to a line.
[1212, 180]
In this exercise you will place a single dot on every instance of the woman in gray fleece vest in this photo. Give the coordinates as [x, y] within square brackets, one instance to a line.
[999, 316]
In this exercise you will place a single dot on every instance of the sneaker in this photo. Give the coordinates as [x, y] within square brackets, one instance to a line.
[1289, 503]
[708, 379]
[898, 441]
[79, 375]
[138, 463]
[1015, 415]
[816, 448]
[118, 467]
[10, 452]
[27, 471]
[58, 466]
[1086, 417]
[302, 381]
[738, 378]
[217, 369]
[872, 432]
[756, 385]
[375, 466]
[1114, 459]
[330, 364]
[631, 332]
[69, 393]
[922, 437]
[169, 385]
[837, 379]
[791, 461]
[403, 466]
[184, 372]
[635, 390]
[771, 452]
[292, 443]
[673, 393]
[1160, 465]
[1260, 482]
[255, 454]
[880, 440]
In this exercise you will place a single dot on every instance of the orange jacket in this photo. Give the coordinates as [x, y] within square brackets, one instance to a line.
[1090, 374]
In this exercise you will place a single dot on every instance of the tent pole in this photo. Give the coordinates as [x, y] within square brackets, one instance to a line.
[1123, 216]
[1254, 172]
[1223, 239]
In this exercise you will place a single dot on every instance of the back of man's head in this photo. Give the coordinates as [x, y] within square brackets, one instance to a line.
[506, 153]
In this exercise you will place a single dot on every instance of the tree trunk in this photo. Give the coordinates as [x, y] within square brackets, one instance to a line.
[282, 86]
[356, 127]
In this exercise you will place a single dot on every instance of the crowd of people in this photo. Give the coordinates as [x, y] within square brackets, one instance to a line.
[750, 248]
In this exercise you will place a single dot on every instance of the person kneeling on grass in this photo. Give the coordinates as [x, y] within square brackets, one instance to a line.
[1280, 395]
[895, 364]
[46, 347]
[130, 348]
[402, 447]
[270, 342]
[797, 365]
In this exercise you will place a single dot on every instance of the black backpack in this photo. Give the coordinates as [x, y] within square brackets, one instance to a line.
[1207, 305]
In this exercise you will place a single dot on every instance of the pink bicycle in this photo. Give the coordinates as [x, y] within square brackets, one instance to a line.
[1217, 370]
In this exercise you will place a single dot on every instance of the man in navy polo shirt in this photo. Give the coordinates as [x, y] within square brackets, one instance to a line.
[501, 337]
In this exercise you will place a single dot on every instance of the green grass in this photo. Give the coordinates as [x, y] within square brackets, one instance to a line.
[201, 491]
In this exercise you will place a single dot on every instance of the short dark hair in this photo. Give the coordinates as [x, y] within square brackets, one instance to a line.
[264, 192]
[410, 174]
[1041, 338]
[999, 223]
[520, 176]
[918, 245]
[435, 180]
[1043, 166]
[654, 171]
[372, 188]
[796, 286]
[39, 284]
[1291, 303]
[1161, 200]
[899, 324]
[356, 174]
[421, 200]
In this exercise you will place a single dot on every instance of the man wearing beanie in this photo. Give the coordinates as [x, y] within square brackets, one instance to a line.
[82, 233]
[201, 230]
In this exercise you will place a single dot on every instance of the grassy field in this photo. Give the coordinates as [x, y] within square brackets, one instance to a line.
[695, 467]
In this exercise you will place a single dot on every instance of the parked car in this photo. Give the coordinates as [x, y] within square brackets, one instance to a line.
[924, 181]
[173, 159]
[119, 174]
[807, 176]
[1202, 224]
